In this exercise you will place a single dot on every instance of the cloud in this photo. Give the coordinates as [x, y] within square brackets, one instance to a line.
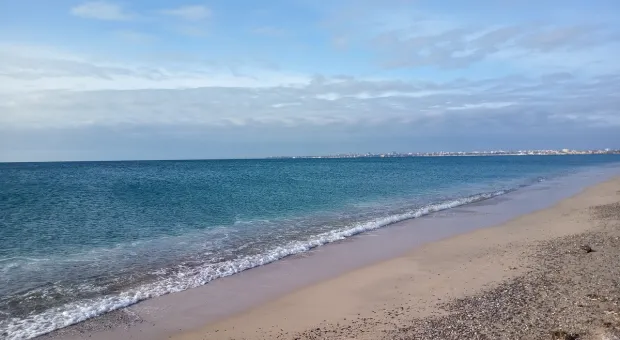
[502, 104]
[548, 39]
[409, 36]
[46, 88]
[101, 10]
[30, 68]
[271, 31]
[462, 47]
[189, 13]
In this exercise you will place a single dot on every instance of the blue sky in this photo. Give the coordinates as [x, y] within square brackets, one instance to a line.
[89, 80]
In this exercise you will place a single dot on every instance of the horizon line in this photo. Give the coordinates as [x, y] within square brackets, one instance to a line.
[392, 154]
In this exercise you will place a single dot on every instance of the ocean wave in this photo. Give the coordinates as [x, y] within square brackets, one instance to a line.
[74, 312]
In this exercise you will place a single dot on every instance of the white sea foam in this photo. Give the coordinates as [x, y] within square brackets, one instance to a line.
[71, 313]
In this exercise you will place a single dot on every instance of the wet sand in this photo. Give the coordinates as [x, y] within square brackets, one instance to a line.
[488, 283]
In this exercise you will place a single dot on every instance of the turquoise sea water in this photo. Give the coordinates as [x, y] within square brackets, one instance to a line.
[81, 239]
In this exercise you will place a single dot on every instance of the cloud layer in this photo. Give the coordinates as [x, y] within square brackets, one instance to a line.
[526, 102]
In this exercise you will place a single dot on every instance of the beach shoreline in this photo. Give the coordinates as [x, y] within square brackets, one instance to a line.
[548, 274]
[299, 293]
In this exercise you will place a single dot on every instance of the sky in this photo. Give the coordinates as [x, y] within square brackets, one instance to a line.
[182, 79]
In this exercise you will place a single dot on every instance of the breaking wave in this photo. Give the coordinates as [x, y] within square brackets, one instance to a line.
[183, 278]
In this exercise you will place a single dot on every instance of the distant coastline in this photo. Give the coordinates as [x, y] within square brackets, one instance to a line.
[562, 152]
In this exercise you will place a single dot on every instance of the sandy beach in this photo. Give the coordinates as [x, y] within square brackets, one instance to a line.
[534, 277]
[550, 274]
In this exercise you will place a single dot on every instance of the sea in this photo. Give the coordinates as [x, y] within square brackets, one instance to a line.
[79, 239]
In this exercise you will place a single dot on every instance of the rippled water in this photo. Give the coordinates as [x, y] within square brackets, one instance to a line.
[81, 239]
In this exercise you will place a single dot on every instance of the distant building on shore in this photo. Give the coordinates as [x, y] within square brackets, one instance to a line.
[465, 153]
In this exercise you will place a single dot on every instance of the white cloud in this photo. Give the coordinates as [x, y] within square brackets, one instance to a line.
[101, 10]
[29, 68]
[189, 13]
[489, 105]
[277, 105]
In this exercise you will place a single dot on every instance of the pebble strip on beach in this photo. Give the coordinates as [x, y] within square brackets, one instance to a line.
[570, 291]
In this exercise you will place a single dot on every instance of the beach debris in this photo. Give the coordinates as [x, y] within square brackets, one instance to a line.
[562, 335]
[596, 297]
[586, 248]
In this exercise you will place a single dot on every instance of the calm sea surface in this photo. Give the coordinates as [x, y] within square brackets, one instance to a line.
[81, 239]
